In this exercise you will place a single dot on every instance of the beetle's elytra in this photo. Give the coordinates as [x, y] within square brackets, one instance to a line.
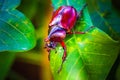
[63, 20]
[65, 17]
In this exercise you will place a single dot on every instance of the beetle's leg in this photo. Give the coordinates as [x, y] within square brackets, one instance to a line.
[64, 55]
[81, 11]
[55, 50]
[75, 32]
[80, 32]
[48, 50]
[49, 55]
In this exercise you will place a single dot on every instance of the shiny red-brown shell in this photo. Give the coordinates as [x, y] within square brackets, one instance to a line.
[64, 17]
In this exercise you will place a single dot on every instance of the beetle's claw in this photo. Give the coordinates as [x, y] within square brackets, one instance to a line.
[55, 51]
[60, 67]
[63, 60]
[89, 29]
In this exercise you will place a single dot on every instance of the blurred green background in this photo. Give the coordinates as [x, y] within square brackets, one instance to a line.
[34, 64]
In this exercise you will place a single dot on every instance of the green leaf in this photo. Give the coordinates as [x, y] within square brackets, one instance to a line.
[90, 56]
[105, 17]
[16, 31]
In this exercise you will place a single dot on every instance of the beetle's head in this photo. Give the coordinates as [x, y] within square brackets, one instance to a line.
[49, 44]
[56, 34]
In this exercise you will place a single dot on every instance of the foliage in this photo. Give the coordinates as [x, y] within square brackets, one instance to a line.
[89, 56]
[16, 33]
[105, 16]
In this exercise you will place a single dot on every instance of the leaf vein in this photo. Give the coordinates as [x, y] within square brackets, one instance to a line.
[77, 77]
[72, 68]
[14, 28]
[3, 42]
[96, 54]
